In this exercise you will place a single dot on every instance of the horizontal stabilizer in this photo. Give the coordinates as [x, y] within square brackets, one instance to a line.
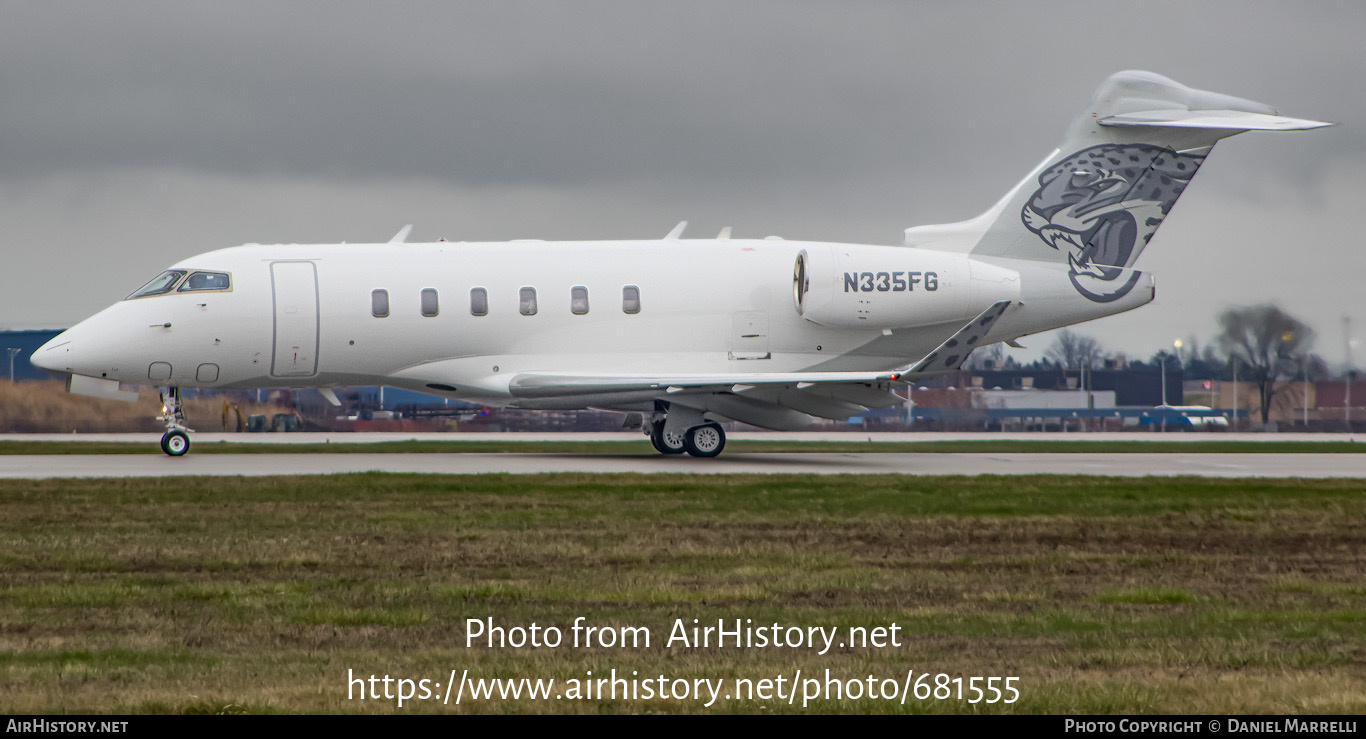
[1097, 200]
[1225, 120]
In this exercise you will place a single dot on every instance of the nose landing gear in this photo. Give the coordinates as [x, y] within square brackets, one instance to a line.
[176, 441]
[676, 429]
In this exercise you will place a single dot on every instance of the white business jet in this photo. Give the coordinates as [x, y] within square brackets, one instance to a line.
[680, 334]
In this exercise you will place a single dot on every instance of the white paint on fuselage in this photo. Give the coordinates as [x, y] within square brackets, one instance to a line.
[690, 294]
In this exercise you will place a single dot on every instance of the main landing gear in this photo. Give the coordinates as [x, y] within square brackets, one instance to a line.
[176, 441]
[675, 430]
[706, 440]
[670, 443]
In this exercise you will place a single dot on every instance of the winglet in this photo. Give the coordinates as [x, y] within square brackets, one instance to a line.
[402, 234]
[952, 353]
[677, 232]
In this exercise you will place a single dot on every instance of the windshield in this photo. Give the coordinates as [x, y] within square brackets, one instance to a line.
[161, 284]
[206, 281]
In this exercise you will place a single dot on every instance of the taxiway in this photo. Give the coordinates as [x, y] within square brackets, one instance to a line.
[1114, 464]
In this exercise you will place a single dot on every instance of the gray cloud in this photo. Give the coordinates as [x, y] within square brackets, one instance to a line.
[136, 133]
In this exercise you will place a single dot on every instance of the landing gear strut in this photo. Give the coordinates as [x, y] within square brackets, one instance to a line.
[676, 429]
[176, 441]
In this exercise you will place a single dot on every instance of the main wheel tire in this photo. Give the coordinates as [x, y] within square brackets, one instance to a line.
[175, 443]
[662, 443]
[706, 440]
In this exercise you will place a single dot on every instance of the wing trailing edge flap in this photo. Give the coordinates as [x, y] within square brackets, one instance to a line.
[842, 399]
[753, 412]
[549, 385]
[862, 396]
[812, 403]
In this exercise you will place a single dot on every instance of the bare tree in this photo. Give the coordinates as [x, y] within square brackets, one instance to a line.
[988, 358]
[1073, 350]
[1268, 346]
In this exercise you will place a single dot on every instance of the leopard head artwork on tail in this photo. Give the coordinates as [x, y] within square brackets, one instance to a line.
[1103, 204]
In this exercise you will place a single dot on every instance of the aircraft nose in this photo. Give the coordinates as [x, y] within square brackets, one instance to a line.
[55, 355]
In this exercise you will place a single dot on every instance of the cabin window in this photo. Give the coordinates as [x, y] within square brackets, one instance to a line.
[160, 285]
[429, 306]
[206, 281]
[479, 301]
[630, 299]
[526, 301]
[379, 303]
[578, 300]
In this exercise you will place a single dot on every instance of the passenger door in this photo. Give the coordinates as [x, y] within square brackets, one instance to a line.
[294, 287]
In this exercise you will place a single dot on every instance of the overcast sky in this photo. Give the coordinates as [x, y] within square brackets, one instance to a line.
[135, 134]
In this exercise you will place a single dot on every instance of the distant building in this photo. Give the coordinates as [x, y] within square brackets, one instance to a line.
[1068, 399]
[1133, 386]
[26, 342]
[1326, 400]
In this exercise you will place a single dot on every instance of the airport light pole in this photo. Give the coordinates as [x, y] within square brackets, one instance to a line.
[1347, 387]
[12, 351]
[1235, 393]
[1162, 360]
[1304, 366]
[910, 405]
[1176, 344]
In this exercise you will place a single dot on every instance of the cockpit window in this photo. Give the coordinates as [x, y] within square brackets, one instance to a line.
[163, 284]
[206, 281]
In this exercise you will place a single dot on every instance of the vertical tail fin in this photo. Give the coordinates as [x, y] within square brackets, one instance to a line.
[1097, 200]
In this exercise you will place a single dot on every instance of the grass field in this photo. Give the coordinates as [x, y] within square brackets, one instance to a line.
[1101, 595]
[642, 447]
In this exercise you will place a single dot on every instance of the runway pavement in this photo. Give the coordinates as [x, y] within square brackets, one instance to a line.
[371, 437]
[1117, 464]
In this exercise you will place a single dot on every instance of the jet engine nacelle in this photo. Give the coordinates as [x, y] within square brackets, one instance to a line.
[879, 287]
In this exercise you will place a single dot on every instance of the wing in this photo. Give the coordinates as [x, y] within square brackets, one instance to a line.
[773, 400]
[955, 350]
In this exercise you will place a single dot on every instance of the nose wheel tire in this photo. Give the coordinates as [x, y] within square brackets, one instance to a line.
[706, 440]
[666, 443]
[175, 443]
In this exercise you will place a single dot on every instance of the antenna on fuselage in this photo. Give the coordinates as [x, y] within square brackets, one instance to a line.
[677, 232]
[402, 234]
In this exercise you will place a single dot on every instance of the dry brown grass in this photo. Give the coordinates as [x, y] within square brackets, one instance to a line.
[46, 407]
